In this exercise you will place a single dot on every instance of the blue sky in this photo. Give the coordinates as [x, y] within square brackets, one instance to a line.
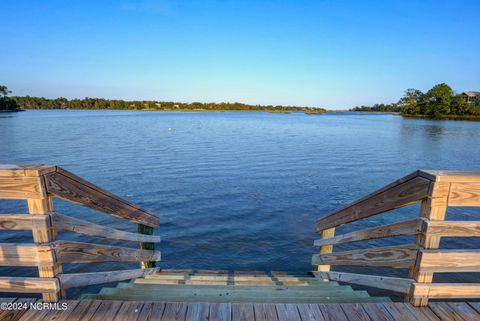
[334, 54]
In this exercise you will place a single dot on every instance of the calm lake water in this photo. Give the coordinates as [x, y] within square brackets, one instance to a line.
[235, 190]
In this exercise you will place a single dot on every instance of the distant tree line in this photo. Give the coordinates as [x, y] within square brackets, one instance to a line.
[28, 102]
[438, 102]
[385, 108]
[7, 103]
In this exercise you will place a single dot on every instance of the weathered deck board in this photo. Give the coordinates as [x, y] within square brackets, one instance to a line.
[181, 311]
[355, 312]
[265, 312]
[377, 312]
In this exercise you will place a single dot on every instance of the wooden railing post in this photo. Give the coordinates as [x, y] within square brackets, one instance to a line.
[433, 208]
[48, 267]
[324, 249]
[143, 229]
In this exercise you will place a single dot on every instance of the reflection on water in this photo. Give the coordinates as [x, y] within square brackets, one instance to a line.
[234, 190]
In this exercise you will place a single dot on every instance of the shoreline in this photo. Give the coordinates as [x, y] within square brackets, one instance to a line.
[12, 111]
[192, 110]
[446, 117]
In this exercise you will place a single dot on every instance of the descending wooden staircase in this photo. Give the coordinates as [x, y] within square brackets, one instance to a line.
[434, 191]
[233, 287]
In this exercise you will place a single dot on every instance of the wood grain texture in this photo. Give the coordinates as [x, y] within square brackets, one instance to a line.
[20, 188]
[81, 192]
[77, 252]
[55, 315]
[399, 313]
[400, 285]
[11, 170]
[23, 221]
[401, 194]
[450, 261]
[197, 312]
[465, 310]
[402, 256]
[89, 310]
[452, 228]
[72, 280]
[377, 312]
[174, 312]
[355, 312]
[154, 311]
[265, 312]
[68, 223]
[422, 313]
[29, 285]
[287, 312]
[220, 312]
[243, 312]
[451, 176]
[332, 312]
[475, 305]
[13, 254]
[128, 311]
[310, 312]
[450, 290]
[410, 227]
[48, 267]
[464, 194]
[433, 208]
[446, 312]
[106, 311]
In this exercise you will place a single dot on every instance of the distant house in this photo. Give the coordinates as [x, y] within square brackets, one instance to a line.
[471, 96]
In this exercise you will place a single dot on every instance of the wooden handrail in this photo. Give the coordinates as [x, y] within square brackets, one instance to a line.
[67, 223]
[73, 280]
[401, 256]
[64, 184]
[38, 184]
[436, 191]
[408, 190]
[411, 227]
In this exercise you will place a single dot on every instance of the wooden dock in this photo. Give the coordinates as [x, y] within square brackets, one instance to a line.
[89, 310]
[148, 293]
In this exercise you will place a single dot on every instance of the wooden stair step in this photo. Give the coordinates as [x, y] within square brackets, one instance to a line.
[209, 277]
[355, 297]
[260, 283]
[206, 282]
[219, 288]
[165, 282]
[251, 278]
[272, 293]
[186, 271]
[250, 273]
[225, 291]
[166, 277]
[150, 283]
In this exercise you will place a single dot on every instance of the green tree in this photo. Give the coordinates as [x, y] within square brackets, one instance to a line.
[7, 103]
[411, 101]
[474, 107]
[4, 91]
[458, 105]
[438, 100]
